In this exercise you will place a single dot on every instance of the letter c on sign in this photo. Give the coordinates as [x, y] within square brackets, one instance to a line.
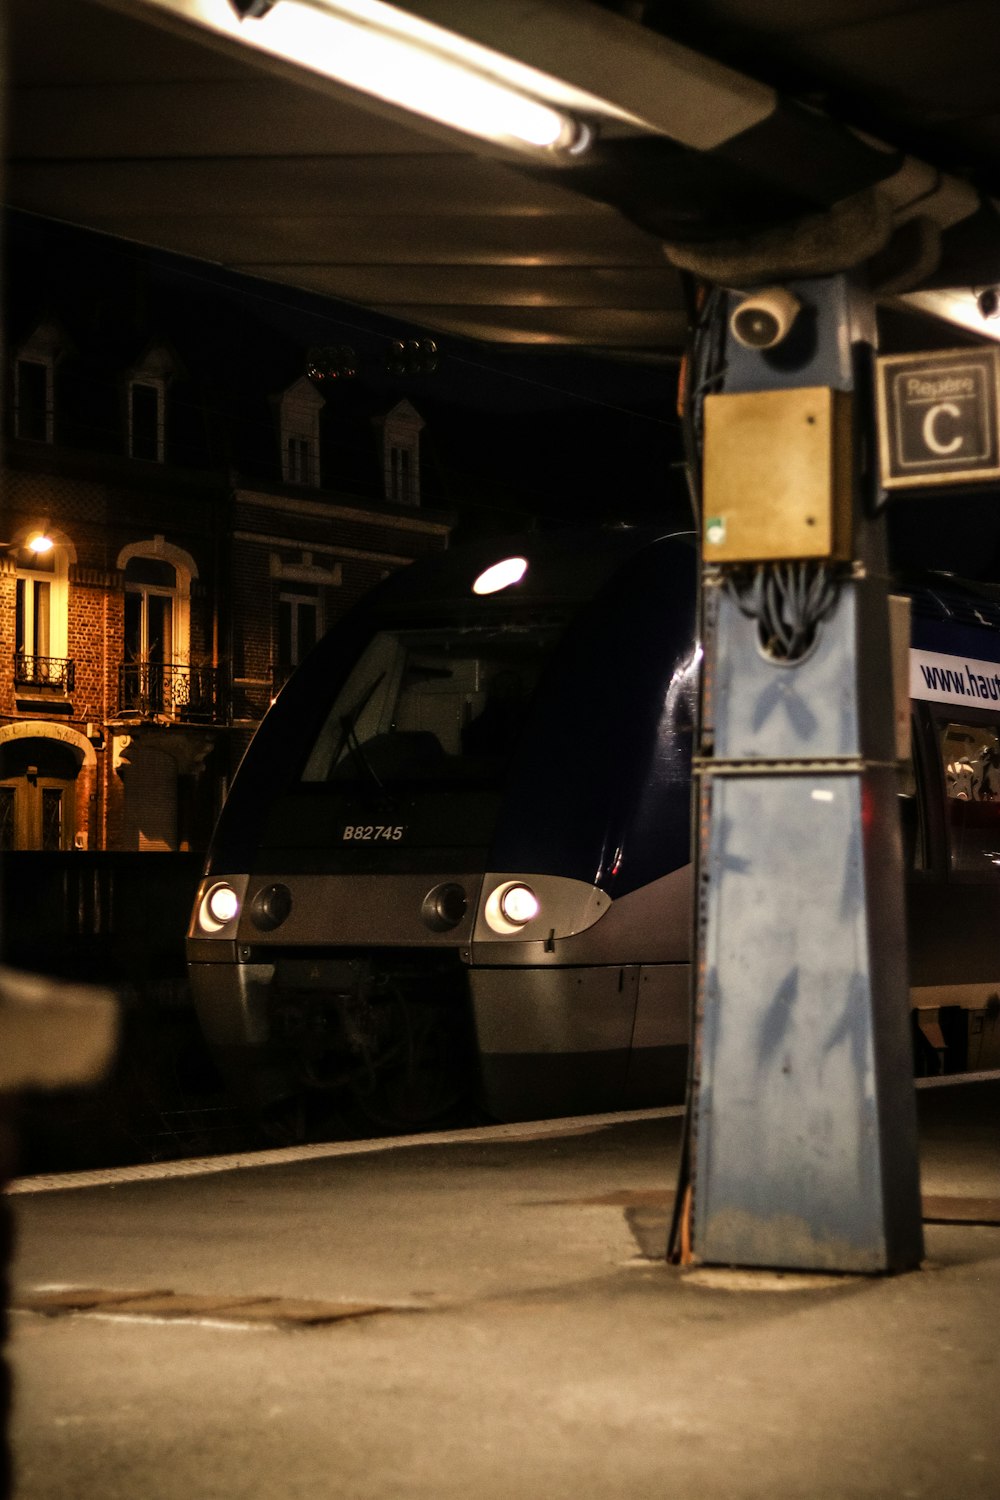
[930, 428]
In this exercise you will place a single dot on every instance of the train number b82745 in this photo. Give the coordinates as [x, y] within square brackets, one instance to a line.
[369, 832]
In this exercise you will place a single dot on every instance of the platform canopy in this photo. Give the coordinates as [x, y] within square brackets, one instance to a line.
[744, 140]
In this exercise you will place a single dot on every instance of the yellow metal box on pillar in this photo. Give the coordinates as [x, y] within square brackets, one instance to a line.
[777, 476]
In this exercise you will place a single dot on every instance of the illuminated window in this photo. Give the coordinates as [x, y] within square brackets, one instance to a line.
[33, 608]
[970, 756]
[41, 600]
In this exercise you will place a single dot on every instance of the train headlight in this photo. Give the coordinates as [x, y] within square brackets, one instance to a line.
[220, 905]
[519, 904]
[511, 907]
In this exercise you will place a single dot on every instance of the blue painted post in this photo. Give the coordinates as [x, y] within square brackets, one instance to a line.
[804, 1151]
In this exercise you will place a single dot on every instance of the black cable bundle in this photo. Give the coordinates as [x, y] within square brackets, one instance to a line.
[788, 600]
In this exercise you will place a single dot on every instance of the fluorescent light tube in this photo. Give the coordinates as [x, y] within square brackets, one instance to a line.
[403, 60]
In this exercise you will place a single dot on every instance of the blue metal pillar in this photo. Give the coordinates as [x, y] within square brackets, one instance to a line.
[804, 1151]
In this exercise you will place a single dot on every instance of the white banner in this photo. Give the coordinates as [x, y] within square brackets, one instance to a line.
[937, 678]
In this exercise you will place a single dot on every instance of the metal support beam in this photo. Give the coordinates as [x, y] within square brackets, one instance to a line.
[803, 1123]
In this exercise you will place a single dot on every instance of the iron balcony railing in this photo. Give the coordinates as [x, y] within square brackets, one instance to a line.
[44, 671]
[173, 689]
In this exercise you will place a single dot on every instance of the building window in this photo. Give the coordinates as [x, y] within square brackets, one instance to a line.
[145, 422]
[41, 598]
[298, 420]
[298, 624]
[300, 461]
[150, 586]
[33, 405]
[150, 589]
[34, 382]
[401, 476]
[146, 403]
[401, 428]
[32, 613]
[156, 676]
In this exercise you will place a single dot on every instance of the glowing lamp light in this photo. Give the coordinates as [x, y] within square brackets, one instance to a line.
[40, 543]
[519, 904]
[510, 907]
[501, 576]
[393, 55]
[220, 906]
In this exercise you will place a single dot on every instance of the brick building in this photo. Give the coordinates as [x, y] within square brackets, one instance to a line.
[184, 508]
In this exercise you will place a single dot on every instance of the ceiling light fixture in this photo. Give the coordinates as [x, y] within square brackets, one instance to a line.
[970, 308]
[500, 575]
[400, 58]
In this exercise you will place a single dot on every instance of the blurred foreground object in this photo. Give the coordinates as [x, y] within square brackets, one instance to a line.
[52, 1034]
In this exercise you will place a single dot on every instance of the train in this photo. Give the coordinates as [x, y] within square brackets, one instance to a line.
[454, 864]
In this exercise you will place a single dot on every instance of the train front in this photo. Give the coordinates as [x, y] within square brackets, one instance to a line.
[427, 881]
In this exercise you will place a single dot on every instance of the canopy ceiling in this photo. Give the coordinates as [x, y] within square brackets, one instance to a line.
[752, 138]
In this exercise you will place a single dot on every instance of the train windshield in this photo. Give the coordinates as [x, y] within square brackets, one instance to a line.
[434, 704]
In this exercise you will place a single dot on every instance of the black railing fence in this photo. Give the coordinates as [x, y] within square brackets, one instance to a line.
[177, 689]
[44, 671]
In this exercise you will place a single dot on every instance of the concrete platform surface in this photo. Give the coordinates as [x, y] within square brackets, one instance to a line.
[489, 1315]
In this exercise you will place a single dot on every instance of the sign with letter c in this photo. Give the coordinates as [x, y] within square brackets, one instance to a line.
[938, 418]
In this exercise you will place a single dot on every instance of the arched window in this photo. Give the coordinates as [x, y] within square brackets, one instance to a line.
[150, 592]
[155, 675]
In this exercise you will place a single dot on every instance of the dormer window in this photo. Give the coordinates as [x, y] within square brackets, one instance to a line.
[147, 403]
[33, 405]
[34, 383]
[401, 475]
[401, 429]
[298, 424]
[301, 461]
[145, 421]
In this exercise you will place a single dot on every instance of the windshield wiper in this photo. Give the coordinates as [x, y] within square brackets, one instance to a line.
[356, 751]
[350, 742]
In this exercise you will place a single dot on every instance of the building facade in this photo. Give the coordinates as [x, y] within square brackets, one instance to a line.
[183, 512]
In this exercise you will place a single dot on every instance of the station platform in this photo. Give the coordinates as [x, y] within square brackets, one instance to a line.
[489, 1314]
